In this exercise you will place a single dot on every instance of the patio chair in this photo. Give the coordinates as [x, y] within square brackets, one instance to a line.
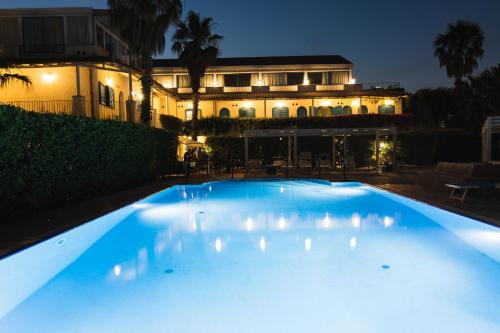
[305, 160]
[254, 164]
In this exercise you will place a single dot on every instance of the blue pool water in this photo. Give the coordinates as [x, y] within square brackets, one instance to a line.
[260, 256]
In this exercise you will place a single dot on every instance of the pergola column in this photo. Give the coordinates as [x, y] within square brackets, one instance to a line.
[345, 148]
[295, 149]
[377, 150]
[334, 153]
[394, 162]
[289, 149]
[246, 153]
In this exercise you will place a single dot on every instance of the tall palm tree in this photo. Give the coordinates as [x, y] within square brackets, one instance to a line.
[6, 75]
[144, 24]
[459, 49]
[197, 48]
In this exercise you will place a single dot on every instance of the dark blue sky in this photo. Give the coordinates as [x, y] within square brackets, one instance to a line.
[389, 40]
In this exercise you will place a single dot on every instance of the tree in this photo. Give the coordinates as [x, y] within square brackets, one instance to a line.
[6, 75]
[459, 49]
[197, 48]
[144, 23]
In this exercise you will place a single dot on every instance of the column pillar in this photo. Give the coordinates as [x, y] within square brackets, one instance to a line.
[246, 153]
[394, 162]
[334, 153]
[78, 101]
[345, 148]
[131, 105]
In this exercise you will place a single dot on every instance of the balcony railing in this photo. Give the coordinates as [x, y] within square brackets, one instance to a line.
[92, 109]
[381, 85]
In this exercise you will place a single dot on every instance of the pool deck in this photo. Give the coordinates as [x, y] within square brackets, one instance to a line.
[417, 183]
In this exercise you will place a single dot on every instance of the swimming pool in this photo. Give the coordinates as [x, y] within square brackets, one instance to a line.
[260, 256]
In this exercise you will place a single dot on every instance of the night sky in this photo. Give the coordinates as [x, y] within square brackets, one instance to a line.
[386, 40]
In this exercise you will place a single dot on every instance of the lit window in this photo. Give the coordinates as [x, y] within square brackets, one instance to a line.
[246, 112]
[224, 113]
[280, 112]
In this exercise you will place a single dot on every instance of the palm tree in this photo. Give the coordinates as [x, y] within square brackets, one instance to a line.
[6, 75]
[144, 24]
[459, 49]
[197, 48]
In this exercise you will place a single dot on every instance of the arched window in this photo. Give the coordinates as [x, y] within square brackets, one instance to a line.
[246, 112]
[301, 112]
[386, 109]
[338, 110]
[346, 110]
[323, 111]
[280, 112]
[224, 113]
[363, 109]
[189, 114]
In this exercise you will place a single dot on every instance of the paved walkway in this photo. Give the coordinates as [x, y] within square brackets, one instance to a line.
[417, 183]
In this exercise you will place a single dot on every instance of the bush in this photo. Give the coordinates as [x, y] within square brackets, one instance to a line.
[48, 160]
[237, 126]
[171, 123]
[430, 147]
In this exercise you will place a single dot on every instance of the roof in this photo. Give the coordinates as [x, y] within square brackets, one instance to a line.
[265, 61]
[292, 94]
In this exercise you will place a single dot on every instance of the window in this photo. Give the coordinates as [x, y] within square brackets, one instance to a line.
[183, 81]
[189, 114]
[280, 112]
[106, 96]
[78, 30]
[315, 78]
[224, 113]
[99, 35]
[346, 110]
[323, 111]
[293, 79]
[246, 112]
[43, 35]
[237, 80]
[338, 77]
[301, 112]
[386, 109]
[363, 109]
[338, 110]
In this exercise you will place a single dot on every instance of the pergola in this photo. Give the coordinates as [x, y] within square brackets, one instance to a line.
[328, 132]
[491, 126]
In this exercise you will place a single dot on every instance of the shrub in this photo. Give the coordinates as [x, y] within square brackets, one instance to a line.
[48, 160]
[237, 126]
[171, 123]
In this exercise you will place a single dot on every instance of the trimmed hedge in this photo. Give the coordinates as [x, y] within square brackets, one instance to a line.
[171, 123]
[236, 126]
[49, 160]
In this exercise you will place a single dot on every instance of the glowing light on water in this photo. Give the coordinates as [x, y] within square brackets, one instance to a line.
[388, 221]
[249, 224]
[262, 244]
[282, 223]
[327, 221]
[282, 189]
[210, 189]
[117, 270]
[308, 244]
[353, 242]
[218, 245]
[356, 221]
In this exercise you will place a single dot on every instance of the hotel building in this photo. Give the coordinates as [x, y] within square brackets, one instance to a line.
[79, 64]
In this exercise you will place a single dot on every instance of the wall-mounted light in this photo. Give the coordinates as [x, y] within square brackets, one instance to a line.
[306, 81]
[167, 85]
[109, 82]
[325, 103]
[48, 78]
[388, 102]
[356, 103]
[247, 104]
[352, 81]
[280, 104]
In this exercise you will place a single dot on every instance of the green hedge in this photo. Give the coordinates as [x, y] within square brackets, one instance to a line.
[236, 126]
[171, 123]
[48, 160]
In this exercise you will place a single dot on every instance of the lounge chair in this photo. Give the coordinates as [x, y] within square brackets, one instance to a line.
[305, 160]
[459, 191]
[254, 164]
